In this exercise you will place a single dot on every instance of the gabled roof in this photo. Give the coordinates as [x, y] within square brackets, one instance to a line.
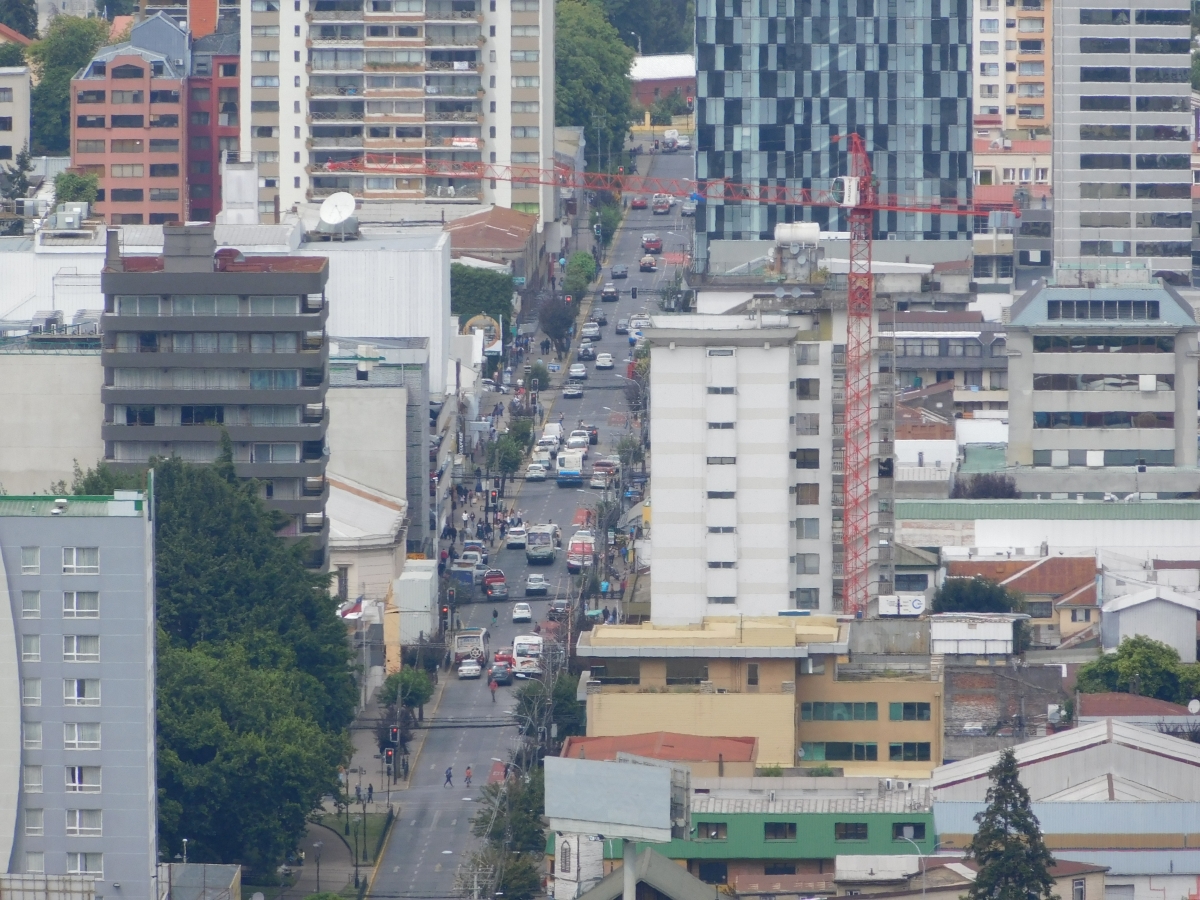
[493, 229]
[1109, 787]
[655, 871]
[663, 745]
[1115, 704]
[1084, 595]
[908, 557]
[1158, 592]
[12, 36]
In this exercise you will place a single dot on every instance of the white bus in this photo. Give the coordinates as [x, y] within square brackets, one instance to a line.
[527, 656]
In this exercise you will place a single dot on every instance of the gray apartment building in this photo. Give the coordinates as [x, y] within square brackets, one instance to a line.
[200, 341]
[777, 81]
[1122, 133]
[77, 757]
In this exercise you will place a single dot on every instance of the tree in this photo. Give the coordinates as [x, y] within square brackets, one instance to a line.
[1014, 863]
[581, 270]
[412, 686]
[511, 812]
[20, 15]
[974, 595]
[12, 55]
[556, 317]
[592, 75]
[475, 291]
[666, 108]
[987, 486]
[665, 26]
[1140, 666]
[18, 173]
[67, 47]
[539, 373]
[558, 697]
[71, 187]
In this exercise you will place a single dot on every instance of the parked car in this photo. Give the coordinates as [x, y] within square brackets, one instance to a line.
[536, 583]
[495, 585]
[573, 390]
[622, 326]
[590, 331]
[620, 271]
[599, 479]
[578, 370]
[515, 539]
[651, 242]
[688, 208]
[559, 609]
[501, 673]
[604, 361]
[535, 472]
[522, 612]
[683, 142]
[638, 202]
[586, 353]
[469, 668]
[647, 264]
[609, 293]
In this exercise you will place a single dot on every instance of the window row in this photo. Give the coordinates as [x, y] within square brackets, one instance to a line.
[1127, 132]
[134, 145]
[1143, 104]
[1102, 309]
[1141, 74]
[1102, 343]
[819, 711]
[1121, 419]
[124, 97]
[76, 604]
[214, 342]
[1143, 17]
[78, 779]
[1144, 161]
[1095, 219]
[1143, 382]
[75, 561]
[207, 415]
[76, 736]
[949, 347]
[76, 691]
[80, 823]
[1061, 458]
[217, 379]
[1144, 248]
[1140, 45]
[1115, 190]
[76, 648]
[91, 864]
[205, 305]
[156, 120]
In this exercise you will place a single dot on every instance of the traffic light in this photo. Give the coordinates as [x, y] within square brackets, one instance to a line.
[389, 756]
[620, 170]
[633, 293]
[496, 481]
[445, 617]
[691, 104]
[450, 594]
[495, 495]
[567, 299]
[394, 734]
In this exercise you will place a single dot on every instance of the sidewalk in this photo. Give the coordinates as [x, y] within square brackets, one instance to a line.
[337, 866]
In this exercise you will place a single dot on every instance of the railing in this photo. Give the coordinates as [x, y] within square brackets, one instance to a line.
[452, 66]
[437, 141]
[338, 39]
[453, 116]
[457, 192]
[335, 14]
[313, 413]
[356, 142]
[450, 14]
[839, 395]
[313, 522]
[335, 91]
[314, 486]
[839, 359]
[433, 40]
[454, 90]
[326, 116]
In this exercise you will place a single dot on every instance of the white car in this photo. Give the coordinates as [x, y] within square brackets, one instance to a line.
[579, 443]
[536, 583]
[683, 142]
[578, 371]
[639, 320]
[573, 390]
[515, 539]
[590, 331]
[469, 668]
[536, 472]
[604, 361]
[522, 612]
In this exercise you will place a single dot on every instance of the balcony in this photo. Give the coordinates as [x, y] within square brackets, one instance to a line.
[333, 15]
[326, 142]
[446, 65]
[345, 114]
[474, 116]
[440, 39]
[452, 11]
[464, 190]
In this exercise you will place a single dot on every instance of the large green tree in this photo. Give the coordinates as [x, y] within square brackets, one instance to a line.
[665, 26]
[67, 47]
[1142, 666]
[12, 55]
[1014, 863]
[974, 595]
[474, 291]
[592, 76]
[20, 15]
[511, 812]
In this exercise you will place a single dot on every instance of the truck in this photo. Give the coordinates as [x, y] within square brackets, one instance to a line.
[581, 552]
[570, 468]
[540, 545]
[471, 643]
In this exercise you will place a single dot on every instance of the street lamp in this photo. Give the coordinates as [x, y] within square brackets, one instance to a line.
[639, 40]
[317, 845]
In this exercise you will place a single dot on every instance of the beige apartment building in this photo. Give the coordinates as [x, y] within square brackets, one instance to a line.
[1014, 74]
[14, 110]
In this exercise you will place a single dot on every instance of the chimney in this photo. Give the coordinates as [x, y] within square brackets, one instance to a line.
[112, 251]
[189, 248]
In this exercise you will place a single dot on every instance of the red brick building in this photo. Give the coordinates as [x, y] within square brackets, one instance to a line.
[655, 77]
[214, 111]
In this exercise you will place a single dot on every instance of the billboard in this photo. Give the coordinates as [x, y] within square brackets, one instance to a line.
[612, 799]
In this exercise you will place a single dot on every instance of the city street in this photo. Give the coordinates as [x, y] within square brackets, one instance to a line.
[432, 836]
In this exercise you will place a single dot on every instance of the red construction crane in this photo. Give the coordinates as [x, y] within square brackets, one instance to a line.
[855, 193]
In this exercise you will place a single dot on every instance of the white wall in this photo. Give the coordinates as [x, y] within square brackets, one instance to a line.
[366, 436]
[1167, 622]
[981, 431]
[943, 453]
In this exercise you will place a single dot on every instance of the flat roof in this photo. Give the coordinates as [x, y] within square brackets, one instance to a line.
[121, 504]
[1047, 509]
[662, 66]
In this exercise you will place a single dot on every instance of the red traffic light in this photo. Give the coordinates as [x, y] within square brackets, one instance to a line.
[691, 103]
[445, 609]
[620, 170]
[394, 734]
[567, 298]
[389, 755]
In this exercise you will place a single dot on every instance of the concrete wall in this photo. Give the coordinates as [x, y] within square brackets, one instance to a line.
[50, 417]
[982, 700]
[366, 436]
[1158, 619]
[767, 717]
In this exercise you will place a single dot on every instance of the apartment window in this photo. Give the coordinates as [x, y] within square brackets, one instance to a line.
[31, 692]
[274, 379]
[1173, 191]
[35, 822]
[81, 735]
[1104, 132]
[81, 605]
[808, 494]
[83, 779]
[989, 26]
[722, 564]
[127, 170]
[89, 146]
[989, 48]
[526, 81]
[1104, 160]
[808, 424]
[988, 90]
[808, 388]
[808, 354]
[989, 70]
[821, 711]
[1032, 45]
[808, 598]
[31, 560]
[721, 426]
[525, 106]
[779, 831]
[164, 145]
[1162, 75]
[1031, 25]
[81, 561]
[712, 831]
[686, 671]
[1161, 17]
[909, 712]
[525, 31]
[264, 81]
[722, 529]
[909, 751]
[128, 121]
[524, 56]
[31, 648]
[31, 779]
[721, 460]
[163, 195]
[752, 674]
[1031, 89]
[84, 823]
[808, 459]
[912, 582]
[849, 831]
[808, 529]
[81, 691]
[81, 648]
[1078, 889]
[85, 864]
[121, 98]
[808, 564]
[1104, 17]
[1081, 615]
[32, 736]
[914, 831]
[31, 604]
[525, 131]
[35, 862]
[1031, 68]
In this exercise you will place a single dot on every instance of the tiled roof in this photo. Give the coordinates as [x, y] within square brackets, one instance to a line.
[497, 228]
[12, 36]
[1116, 705]
[1055, 576]
[664, 745]
[248, 264]
[1084, 595]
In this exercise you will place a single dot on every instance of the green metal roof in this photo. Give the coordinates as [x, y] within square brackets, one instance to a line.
[983, 458]
[77, 507]
[1047, 509]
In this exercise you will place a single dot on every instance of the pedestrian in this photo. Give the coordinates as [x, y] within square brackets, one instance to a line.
[466, 517]
[506, 765]
[358, 793]
[449, 777]
[492, 685]
[468, 776]
[622, 588]
[370, 793]
[606, 615]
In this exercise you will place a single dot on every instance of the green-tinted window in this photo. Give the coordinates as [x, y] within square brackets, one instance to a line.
[711, 831]
[849, 831]
[839, 751]
[909, 712]
[839, 712]
[909, 751]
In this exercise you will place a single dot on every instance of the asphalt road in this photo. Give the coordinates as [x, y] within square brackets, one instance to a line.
[433, 834]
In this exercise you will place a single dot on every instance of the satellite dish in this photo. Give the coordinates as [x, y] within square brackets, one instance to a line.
[1194, 706]
[258, 895]
[337, 208]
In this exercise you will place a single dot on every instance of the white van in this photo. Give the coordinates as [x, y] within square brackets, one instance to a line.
[554, 430]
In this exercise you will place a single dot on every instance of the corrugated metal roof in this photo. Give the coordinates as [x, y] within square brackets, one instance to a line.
[888, 802]
[1108, 817]
[1066, 510]
[76, 508]
[1138, 862]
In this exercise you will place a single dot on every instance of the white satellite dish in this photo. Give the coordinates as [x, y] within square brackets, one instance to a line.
[1194, 706]
[337, 208]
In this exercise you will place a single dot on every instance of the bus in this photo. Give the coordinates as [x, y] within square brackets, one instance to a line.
[527, 656]
[471, 643]
[581, 552]
[540, 545]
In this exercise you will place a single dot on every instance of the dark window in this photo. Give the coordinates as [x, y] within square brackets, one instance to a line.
[228, 70]
[168, 218]
[1104, 160]
[909, 712]
[849, 831]
[128, 121]
[807, 494]
[752, 674]
[1104, 17]
[1035, 229]
[201, 143]
[1163, 133]
[1162, 104]
[1103, 420]
[127, 195]
[714, 872]
[1040, 609]
[1104, 73]
[201, 415]
[912, 582]
[808, 459]
[128, 72]
[200, 167]
[139, 415]
[1103, 45]
[721, 495]
[264, 106]
[722, 390]
[89, 121]
[1164, 191]
[808, 388]
[683, 670]
[408, 131]
[712, 831]
[1104, 248]
[779, 831]
[1104, 103]
[167, 96]
[1104, 190]
[1164, 220]
[1164, 248]
[1162, 17]
[845, 751]
[1162, 45]
[913, 831]
[1104, 132]
[164, 170]
[1169, 161]
[164, 145]
[199, 191]
[90, 97]
[164, 195]
[837, 711]
[199, 118]
[1094, 343]
[164, 120]
[909, 751]
[1162, 75]
[779, 868]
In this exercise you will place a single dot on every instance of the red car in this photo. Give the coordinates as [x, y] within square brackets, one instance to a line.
[638, 203]
[651, 243]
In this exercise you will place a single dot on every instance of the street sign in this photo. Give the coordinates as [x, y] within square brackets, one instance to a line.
[519, 280]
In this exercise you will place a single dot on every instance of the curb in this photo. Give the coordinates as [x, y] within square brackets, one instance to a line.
[424, 734]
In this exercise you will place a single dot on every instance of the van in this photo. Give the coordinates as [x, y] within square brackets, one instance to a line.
[554, 430]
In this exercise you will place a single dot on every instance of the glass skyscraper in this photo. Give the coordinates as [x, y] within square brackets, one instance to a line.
[777, 80]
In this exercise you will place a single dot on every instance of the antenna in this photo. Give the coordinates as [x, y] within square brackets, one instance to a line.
[336, 209]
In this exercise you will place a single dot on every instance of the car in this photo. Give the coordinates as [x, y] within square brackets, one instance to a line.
[688, 208]
[622, 326]
[469, 668]
[573, 390]
[475, 546]
[670, 146]
[639, 320]
[559, 609]
[609, 293]
[604, 361]
[501, 673]
[474, 557]
[647, 264]
[586, 353]
[599, 479]
[599, 317]
[578, 370]
[661, 207]
[683, 142]
[651, 242]
[638, 203]
[620, 271]
[517, 536]
[536, 583]
[579, 442]
[522, 612]
[593, 432]
[535, 472]
[495, 585]
[590, 331]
